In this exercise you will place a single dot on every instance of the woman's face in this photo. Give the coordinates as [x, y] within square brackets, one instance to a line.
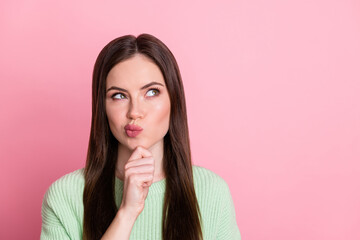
[136, 93]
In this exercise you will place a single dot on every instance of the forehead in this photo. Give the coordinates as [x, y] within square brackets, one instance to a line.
[134, 73]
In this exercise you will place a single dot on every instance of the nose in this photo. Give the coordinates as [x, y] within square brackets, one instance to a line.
[135, 110]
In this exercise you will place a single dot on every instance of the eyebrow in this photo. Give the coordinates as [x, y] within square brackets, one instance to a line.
[143, 87]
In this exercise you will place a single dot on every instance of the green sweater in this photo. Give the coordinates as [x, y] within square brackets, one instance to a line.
[62, 208]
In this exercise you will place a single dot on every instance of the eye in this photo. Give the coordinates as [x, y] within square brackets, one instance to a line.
[118, 96]
[153, 92]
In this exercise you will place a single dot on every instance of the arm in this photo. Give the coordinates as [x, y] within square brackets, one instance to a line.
[51, 227]
[121, 226]
[139, 174]
[228, 229]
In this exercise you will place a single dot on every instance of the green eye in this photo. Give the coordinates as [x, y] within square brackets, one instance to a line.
[153, 92]
[118, 96]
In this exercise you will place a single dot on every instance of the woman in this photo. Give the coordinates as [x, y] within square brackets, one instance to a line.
[138, 182]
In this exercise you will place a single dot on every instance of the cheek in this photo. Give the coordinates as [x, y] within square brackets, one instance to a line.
[163, 112]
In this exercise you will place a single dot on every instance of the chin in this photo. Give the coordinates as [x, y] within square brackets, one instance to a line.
[134, 143]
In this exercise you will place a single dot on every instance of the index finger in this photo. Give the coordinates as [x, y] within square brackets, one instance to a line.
[140, 152]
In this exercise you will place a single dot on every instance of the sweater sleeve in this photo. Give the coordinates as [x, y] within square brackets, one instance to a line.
[51, 227]
[228, 229]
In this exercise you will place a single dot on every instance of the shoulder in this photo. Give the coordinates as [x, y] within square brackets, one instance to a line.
[207, 183]
[216, 205]
[65, 190]
[71, 181]
[62, 207]
[204, 176]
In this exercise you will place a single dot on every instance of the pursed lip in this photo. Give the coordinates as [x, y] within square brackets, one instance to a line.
[132, 127]
[132, 130]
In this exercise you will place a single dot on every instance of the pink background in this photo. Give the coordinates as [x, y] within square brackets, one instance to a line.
[272, 90]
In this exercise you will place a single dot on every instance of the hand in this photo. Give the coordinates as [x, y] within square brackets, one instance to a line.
[138, 177]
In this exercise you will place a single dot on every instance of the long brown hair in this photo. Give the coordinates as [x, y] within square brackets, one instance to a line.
[181, 213]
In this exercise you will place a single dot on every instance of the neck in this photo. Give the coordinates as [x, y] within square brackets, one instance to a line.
[157, 151]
